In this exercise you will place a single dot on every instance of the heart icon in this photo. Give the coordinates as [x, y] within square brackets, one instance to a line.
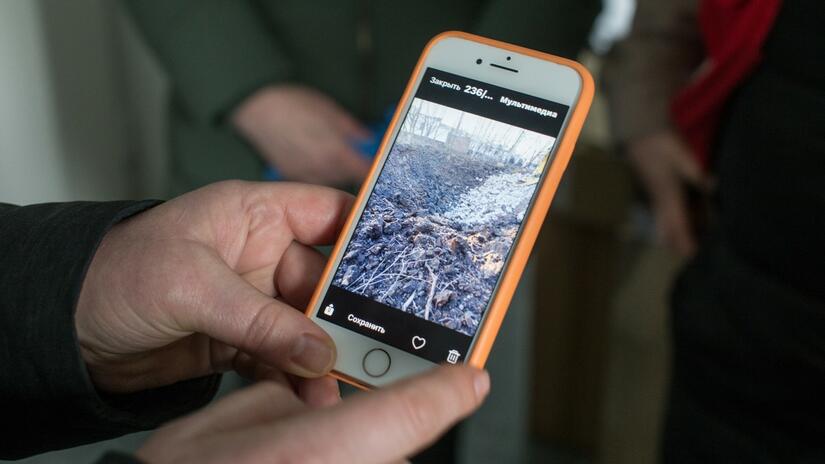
[418, 342]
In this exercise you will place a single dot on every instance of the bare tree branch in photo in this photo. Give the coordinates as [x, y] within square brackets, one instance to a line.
[431, 294]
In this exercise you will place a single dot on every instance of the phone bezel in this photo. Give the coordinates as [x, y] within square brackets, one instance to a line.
[457, 54]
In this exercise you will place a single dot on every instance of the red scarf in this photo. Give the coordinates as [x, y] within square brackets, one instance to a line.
[734, 32]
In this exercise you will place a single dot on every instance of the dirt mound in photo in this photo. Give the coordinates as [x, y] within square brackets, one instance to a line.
[435, 234]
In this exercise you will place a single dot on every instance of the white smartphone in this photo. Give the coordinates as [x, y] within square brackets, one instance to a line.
[428, 261]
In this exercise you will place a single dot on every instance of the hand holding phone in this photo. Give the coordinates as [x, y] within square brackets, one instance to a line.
[442, 228]
[269, 423]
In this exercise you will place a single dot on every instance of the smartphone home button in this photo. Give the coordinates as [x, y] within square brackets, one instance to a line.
[376, 362]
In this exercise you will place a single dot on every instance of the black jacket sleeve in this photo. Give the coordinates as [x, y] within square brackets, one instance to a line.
[47, 400]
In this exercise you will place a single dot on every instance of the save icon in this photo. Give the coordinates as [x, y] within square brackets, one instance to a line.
[329, 309]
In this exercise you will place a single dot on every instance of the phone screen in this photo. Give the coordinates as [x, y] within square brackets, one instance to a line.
[430, 246]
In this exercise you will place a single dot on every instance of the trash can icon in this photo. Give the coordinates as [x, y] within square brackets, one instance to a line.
[452, 356]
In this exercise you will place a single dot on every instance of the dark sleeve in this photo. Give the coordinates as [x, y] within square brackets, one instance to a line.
[47, 400]
[560, 27]
[216, 52]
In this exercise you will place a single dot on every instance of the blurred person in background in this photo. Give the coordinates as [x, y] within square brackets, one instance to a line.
[724, 101]
[302, 91]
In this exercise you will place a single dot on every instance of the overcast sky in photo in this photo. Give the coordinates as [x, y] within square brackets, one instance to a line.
[482, 129]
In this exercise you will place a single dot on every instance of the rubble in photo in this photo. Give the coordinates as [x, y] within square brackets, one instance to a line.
[445, 210]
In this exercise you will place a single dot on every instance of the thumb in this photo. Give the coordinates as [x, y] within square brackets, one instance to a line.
[257, 404]
[239, 315]
[394, 422]
[261, 403]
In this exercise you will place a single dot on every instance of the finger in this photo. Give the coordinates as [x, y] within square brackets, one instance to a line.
[263, 402]
[262, 280]
[298, 273]
[269, 330]
[288, 158]
[314, 214]
[678, 236]
[320, 392]
[319, 157]
[322, 146]
[688, 167]
[279, 213]
[330, 170]
[673, 223]
[353, 164]
[349, 126]
[252, 368]
[392, 423]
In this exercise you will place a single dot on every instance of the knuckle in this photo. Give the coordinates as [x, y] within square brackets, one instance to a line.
[415, 412]
[262, 327]
[270, 392]
[230, 185]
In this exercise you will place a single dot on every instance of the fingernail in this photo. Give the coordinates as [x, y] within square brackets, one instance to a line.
[481, 383]
[313, 354]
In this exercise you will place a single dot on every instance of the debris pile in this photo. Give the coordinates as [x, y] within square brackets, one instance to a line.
[435, 234]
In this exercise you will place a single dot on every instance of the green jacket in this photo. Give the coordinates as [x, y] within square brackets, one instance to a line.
[359, 52]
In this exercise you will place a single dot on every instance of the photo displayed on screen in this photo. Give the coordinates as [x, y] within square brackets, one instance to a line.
[443, 216]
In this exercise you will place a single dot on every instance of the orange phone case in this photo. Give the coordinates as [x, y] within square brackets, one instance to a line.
[532, 224]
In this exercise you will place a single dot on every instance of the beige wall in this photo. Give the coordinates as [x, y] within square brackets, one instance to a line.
[80, 101]
[31, 161]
